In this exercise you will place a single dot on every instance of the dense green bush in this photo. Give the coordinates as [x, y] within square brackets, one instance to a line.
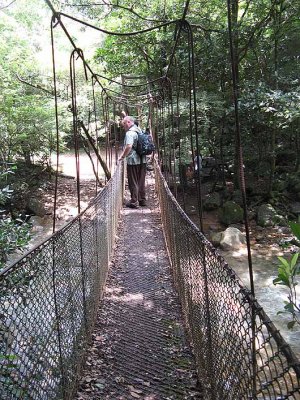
[14, 234]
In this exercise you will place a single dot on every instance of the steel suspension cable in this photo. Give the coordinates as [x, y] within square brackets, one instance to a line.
[76, 145]
[119, 33]
[75, 124]
[96, 128]
[55, 295]
[243, 190]
[194, 101]
[239, 145]
[56, 126]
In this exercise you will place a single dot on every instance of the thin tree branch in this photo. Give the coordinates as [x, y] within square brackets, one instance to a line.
[34, 86]
[2, 8]
[112, 5]
[90, 139]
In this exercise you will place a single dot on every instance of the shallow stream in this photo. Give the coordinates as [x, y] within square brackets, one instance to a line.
[270, 297]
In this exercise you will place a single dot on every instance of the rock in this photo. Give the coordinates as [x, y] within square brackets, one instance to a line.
[212, 201]
[267, 216]
[231, 213]
[232, 238]
[36, 221]
[216, 238]
[39, 223]
[36, 207]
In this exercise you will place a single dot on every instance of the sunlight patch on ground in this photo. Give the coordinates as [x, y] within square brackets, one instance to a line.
[132, 299]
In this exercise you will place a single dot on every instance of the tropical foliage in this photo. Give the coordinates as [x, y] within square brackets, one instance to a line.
[288, 276]
[265, 54]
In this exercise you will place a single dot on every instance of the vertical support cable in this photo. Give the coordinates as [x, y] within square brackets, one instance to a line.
[164, 159]
[96, 128]
[172, 143]
[181, 170]
[193, 106]
[57, 316]
[194, 101]
[234, 69]
[76, 146]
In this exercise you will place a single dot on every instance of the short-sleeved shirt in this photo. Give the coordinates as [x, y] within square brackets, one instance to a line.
[131, 137]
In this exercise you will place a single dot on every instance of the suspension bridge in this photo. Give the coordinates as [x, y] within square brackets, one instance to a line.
[92, 311]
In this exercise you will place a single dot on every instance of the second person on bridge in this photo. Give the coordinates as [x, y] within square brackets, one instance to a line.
[136, 165]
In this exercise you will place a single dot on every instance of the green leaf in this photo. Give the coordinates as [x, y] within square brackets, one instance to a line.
[284, 262]
[284, 278]
[290, 308]
[291, 324]
[295, 227]
[294, 259]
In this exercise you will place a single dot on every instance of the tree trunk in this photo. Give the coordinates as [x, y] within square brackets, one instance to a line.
[102, 162]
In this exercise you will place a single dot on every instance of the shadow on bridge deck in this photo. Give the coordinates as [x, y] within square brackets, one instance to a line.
[139, 348]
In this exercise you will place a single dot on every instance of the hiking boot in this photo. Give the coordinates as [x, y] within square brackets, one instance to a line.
[132, 205]
[142, 203]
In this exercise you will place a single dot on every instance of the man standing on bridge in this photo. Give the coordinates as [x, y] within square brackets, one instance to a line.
[136, 165]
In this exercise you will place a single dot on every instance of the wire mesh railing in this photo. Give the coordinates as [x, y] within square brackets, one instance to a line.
[49, 301]
[239, 352]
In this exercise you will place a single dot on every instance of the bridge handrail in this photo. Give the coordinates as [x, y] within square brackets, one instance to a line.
[49, 301]
[239, 352]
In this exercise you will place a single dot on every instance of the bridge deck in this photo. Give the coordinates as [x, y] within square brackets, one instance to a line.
[139, 348]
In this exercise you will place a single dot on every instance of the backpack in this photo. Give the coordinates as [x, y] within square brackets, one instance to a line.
[145, 145]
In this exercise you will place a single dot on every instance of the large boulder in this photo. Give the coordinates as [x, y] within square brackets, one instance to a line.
[36, 206]
[230, 239]
[231, 213]
[212, 201]
[267, 216]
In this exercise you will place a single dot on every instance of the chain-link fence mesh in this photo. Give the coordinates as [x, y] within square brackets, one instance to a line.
[239, 353]
[49, 301]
